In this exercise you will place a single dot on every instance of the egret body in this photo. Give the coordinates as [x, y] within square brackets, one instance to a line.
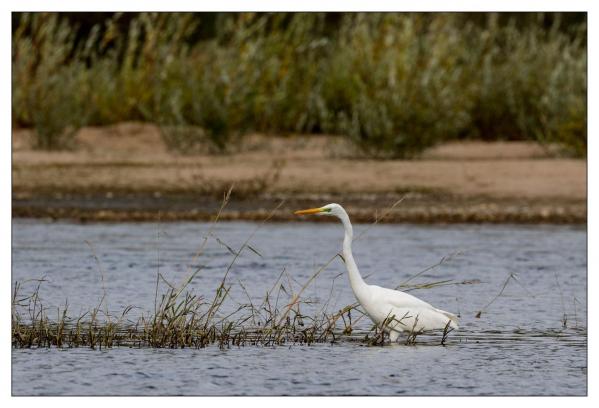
[397, 311]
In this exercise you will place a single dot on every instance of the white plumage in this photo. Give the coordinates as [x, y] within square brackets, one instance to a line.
[399, 311]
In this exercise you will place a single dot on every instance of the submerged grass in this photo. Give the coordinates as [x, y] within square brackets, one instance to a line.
[189, 321]
[183, 318]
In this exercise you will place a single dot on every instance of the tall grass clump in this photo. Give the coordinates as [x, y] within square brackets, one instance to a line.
[392, 83]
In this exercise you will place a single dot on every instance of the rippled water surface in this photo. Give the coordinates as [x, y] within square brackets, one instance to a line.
[517, 347]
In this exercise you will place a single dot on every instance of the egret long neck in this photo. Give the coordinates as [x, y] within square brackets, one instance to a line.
[355, 279]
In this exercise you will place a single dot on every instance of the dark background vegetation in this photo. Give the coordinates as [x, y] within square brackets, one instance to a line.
[393, 83]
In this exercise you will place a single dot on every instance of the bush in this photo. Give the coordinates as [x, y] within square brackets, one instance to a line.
[399, 76]
[393, 83]
[530, 85]
[49, 92]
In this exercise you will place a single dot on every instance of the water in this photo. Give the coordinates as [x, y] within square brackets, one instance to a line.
[517, 347]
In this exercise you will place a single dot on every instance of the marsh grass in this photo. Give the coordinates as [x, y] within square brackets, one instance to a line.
[511, 277]
[392, 83]
[184, 318]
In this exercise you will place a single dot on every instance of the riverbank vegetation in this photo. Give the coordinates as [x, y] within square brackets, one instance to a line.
[393, 84]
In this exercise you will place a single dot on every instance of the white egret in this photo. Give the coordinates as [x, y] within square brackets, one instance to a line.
[395, 310]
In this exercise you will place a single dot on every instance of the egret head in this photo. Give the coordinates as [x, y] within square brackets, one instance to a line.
[329, 209]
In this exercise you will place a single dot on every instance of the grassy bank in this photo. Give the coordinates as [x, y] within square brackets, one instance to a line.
[393, 84]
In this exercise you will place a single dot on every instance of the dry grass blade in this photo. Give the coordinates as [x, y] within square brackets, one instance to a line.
[484, 308]
[381, 217]
[442, 261]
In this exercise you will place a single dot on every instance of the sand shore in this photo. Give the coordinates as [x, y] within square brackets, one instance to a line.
[125, 172]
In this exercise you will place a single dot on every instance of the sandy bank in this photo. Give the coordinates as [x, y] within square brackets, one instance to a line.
[125, 172]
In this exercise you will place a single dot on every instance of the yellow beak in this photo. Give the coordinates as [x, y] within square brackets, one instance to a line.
[308, 211]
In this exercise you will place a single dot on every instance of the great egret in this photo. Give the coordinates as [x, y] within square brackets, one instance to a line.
[396, 311]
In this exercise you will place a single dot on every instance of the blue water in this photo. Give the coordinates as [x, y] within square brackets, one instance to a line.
[517, 347]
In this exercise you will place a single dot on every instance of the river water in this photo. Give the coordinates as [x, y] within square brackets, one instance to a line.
[518, 346]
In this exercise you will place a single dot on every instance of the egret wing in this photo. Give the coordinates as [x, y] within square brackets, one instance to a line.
[398, 299]
[412, 313]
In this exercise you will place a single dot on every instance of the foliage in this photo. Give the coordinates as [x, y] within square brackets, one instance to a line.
[393, 83]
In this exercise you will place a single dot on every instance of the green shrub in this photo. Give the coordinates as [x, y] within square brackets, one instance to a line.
[50, 94]
[530, 85]
[393, 83]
